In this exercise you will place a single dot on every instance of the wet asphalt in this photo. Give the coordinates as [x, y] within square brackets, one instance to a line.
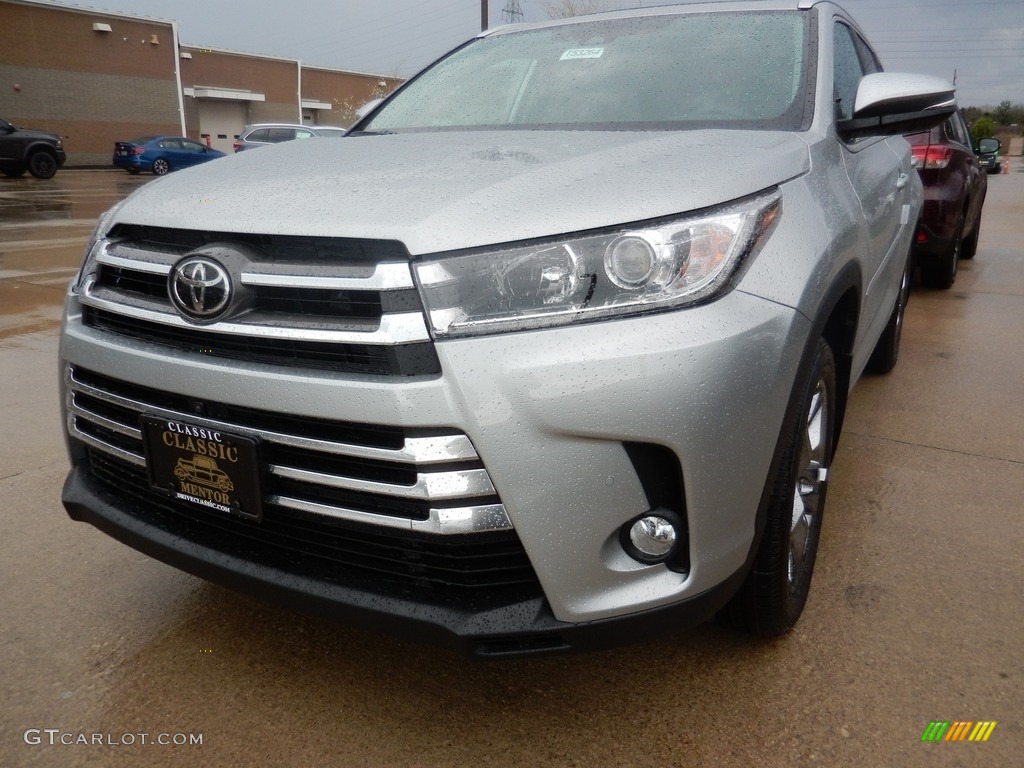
[916, 614]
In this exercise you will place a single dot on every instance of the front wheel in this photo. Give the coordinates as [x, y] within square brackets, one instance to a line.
[161, 166]
[775, 592]
[42, 165]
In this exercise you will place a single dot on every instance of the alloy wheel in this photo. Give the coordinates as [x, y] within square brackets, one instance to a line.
[807, 491]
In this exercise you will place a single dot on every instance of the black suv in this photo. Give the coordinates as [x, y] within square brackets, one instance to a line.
[22, 149]
[988, 154]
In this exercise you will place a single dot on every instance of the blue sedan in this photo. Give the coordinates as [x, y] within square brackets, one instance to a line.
[161, 154]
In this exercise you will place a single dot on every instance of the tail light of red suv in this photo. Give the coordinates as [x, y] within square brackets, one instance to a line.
[931, 155]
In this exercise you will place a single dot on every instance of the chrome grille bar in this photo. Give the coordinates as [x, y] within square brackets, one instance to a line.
[388, 276]
[435, 486]
[102, 445]
[489, 517]
[393, 329]
[106, 258]
[417, 450]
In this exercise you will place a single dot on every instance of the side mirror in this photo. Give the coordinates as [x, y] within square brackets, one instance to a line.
[891, 103]
[987, 146]
[6, 127]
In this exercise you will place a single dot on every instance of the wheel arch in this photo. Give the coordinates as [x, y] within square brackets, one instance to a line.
[39, 146]
[835, 321]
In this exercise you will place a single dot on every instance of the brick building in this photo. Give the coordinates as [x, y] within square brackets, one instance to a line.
[96, 77]
[226, 90]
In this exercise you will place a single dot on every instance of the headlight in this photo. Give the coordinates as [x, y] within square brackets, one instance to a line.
[96, 242]
[627, 270]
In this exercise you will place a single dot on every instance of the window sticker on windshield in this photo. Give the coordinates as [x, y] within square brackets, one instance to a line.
[582, 53]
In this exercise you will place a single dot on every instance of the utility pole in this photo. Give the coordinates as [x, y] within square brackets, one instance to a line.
[512, 13]
[483, 15]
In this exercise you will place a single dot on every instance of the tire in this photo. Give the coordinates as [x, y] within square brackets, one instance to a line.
[941, 273]
[14, 173]
[161, 167]
[775, 592]
[887, 348]
[42, 165]
[132, 171]
[970, 246]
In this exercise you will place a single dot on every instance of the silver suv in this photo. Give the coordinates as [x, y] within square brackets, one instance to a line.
[554, 349]
[262, 134]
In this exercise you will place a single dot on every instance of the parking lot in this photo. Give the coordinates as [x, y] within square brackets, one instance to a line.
[915, 616]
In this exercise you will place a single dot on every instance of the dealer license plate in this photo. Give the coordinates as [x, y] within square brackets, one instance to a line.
[203, 467]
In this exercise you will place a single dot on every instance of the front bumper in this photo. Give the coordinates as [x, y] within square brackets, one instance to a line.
[549, 413]
[519, 628]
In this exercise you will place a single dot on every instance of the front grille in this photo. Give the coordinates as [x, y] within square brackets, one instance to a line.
[324, 303]
[287, 248]
[381, 508]
[404, 360]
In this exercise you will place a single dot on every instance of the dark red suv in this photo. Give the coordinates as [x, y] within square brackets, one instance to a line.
[954, 193]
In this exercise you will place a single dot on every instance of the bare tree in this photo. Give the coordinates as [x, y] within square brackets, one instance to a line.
[563, 9]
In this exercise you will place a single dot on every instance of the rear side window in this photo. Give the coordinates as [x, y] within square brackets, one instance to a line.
[260, 134]
[957, 131]
[277, 135]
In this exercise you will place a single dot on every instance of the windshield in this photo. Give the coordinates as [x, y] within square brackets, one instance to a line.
[737, 70]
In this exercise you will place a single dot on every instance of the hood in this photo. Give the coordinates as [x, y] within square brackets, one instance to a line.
[446, 191]
[32, 133]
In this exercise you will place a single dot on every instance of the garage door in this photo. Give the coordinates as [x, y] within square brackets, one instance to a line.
[222, 121]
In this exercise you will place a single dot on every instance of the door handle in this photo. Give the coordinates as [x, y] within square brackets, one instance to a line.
[902, 180]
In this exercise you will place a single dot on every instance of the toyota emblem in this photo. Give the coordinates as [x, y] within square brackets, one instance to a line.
[200, 288]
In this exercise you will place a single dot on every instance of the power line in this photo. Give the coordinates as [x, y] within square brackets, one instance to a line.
[512, 13]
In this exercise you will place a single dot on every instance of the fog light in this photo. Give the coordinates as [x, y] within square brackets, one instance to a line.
[650, 538]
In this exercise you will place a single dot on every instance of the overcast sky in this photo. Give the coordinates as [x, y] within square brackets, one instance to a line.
[981, 40]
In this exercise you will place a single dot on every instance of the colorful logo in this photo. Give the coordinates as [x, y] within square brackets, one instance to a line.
[958, 730]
